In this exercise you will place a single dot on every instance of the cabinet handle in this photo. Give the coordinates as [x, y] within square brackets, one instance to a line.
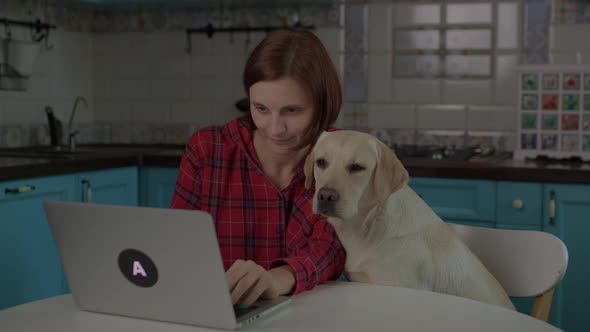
[19, 190]
[88, 190]
[552, 207]
[517, 204]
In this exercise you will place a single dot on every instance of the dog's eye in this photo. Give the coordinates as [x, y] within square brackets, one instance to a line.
[321, 163]
[355, 168]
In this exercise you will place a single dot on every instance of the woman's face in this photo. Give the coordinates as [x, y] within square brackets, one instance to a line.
[282, 111]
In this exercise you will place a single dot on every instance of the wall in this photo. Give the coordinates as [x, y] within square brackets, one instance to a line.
[59, 75]
[131, 65]
[407, 110]
[567, 43]
[143, 87]
[145, 79]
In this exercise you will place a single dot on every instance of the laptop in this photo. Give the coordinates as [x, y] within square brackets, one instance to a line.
[153, 263]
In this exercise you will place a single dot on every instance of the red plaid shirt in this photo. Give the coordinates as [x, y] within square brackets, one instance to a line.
[220, 173]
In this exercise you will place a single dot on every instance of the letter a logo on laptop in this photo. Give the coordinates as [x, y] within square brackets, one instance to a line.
[138, 268]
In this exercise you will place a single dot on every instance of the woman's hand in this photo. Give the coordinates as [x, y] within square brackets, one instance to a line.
[249, 281]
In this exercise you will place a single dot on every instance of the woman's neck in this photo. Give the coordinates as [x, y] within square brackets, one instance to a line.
[278, 167]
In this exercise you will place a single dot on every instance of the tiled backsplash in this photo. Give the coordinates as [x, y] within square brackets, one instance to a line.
[13, 136]
[571, 11]
[138, 133]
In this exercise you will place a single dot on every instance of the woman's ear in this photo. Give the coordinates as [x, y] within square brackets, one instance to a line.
[390, 174]
[308, 169]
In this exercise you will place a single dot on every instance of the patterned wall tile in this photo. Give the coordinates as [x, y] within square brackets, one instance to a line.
[571, 11]
[86, 17]
[356, 60]
[356, 29]
[356, 79]
[537, 14]
[355, 116]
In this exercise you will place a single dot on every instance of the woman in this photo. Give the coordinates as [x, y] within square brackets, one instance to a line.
[248, 173]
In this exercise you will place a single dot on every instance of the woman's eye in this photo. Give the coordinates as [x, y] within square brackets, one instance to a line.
[260, 108]
[321, 163]
[291, 110]
[355, 168]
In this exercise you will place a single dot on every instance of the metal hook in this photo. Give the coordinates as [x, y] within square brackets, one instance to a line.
[231, 32]
[47, 45]
[38, 35]
[188, 48]
[7, 30]
[41, 33]
[247, 41]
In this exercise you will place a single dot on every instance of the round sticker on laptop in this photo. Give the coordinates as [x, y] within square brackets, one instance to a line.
[138, 268]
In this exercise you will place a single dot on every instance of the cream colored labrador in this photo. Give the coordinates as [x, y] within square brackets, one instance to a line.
[391, 236]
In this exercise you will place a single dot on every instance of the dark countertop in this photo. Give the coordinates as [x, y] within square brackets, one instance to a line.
[24, 163]
[506, 170]
[95, 157]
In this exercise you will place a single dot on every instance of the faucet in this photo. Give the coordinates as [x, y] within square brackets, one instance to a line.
[71, 132]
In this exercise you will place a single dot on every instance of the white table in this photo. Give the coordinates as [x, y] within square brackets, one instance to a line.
[337, 306]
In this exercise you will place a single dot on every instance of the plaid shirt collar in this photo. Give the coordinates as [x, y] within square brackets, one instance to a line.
[241, 132]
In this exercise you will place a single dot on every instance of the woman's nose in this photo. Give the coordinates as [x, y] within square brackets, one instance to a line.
[277, 125]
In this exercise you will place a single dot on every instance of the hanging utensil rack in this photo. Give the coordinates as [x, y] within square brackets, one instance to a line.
[39, 30]
[210, 30]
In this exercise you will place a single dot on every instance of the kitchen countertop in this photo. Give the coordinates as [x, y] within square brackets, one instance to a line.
[112, 156]
[22, 163]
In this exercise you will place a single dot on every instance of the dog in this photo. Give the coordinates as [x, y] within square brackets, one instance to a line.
[391, 236]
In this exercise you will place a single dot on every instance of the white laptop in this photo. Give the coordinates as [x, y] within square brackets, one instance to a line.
[160, 264]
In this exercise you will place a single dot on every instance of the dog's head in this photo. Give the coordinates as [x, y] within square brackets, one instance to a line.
[351, 170]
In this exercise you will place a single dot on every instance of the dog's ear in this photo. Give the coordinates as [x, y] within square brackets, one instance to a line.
[390, 174]
[308, 169]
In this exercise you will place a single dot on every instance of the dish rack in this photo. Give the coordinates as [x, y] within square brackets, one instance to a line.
[553, 111]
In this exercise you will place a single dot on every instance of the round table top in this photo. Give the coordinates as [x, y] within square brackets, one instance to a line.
[341, 306]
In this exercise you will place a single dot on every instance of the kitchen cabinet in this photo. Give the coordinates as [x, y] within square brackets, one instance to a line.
[519, 205]
[566, 214]
[30, 267]
[470, 202]
[157, 186]
[560, 209]
[112, 186]
[29, 262]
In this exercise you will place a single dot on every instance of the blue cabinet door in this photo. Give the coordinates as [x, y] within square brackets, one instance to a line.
[470, 202]
[118, 186]
[30, 267]
[519, 205]
[157, 186]
[571, 223]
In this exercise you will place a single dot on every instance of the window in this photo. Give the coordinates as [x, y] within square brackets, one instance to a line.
[453, 39]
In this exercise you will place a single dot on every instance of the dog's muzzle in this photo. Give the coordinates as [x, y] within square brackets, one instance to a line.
[327, 199]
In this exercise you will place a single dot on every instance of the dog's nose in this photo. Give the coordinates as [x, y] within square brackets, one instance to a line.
[328, 194]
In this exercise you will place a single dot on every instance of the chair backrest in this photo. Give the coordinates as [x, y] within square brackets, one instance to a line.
[526, 263]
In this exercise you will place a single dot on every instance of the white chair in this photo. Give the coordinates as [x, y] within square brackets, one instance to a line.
[526, 263]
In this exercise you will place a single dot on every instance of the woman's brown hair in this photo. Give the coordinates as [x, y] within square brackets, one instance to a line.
[300, 55]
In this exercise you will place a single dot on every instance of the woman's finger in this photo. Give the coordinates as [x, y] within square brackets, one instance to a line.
[254, 293]
[236, 272]
[243, 285]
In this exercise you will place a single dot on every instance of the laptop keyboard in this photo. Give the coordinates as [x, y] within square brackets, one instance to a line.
[240, 311]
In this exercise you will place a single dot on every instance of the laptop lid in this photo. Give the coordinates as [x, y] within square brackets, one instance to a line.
[161, 264]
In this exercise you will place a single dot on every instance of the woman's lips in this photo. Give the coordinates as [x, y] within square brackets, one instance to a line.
[280, 141]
